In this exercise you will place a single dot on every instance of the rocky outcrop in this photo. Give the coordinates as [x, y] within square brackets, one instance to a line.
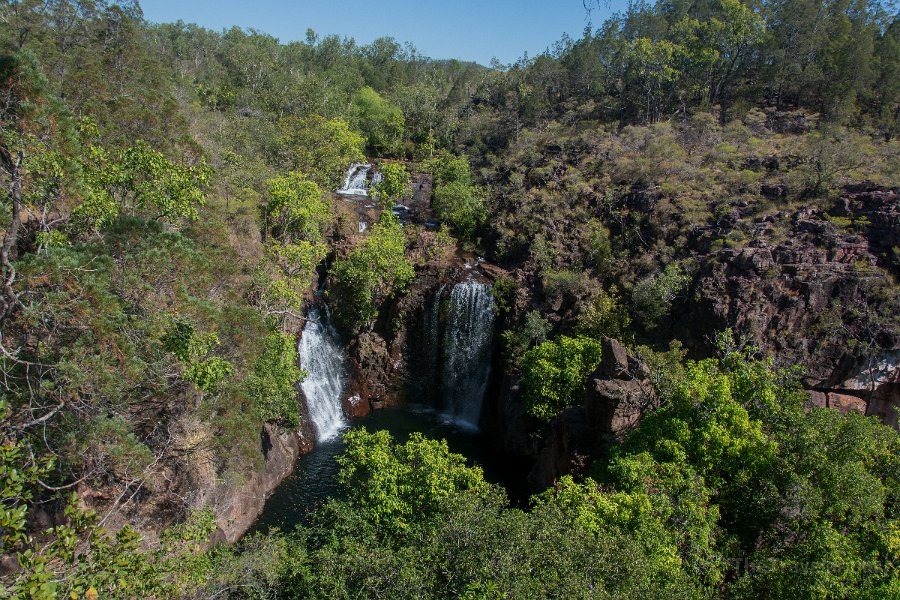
[618, 394]
[238, 504]
[810, 289]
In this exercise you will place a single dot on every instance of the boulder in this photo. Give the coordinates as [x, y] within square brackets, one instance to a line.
[614, 360]
[568, 449]
[355, 407]
[846, 403]
[816, 399]
[613, 407]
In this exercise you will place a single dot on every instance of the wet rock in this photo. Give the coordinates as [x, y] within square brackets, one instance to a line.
[355, 407]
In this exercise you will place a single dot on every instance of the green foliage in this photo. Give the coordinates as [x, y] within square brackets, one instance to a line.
[604, 316]
[399, 484]
[555, 372]
[273, 381]
[297, 209]
[457, 201]
[139, 180]
[534, 330]
[652, 297]
[448, 168]
[460, 205]
[380, 121]
[376, 269]
[394, 184]
[320, 147]
[194, 352]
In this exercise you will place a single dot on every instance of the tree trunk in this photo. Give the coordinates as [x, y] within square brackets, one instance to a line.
[8, 250]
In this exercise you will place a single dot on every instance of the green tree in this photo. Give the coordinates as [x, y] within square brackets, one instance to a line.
[398, 485]
[652, 296]
[460, 205]
[194, 351]
[373, 271]
[320, 147]
[273, 381]
[379, 120]
[297, 209]
[555, 372]
[394, 184]
[139, 180]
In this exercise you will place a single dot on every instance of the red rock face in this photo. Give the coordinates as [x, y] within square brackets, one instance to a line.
[845, 403]
[238, 505]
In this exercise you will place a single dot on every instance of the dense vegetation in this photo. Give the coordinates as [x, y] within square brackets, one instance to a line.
[167, 215]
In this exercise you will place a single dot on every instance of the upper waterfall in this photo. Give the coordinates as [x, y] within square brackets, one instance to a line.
[356, 180]
[323, 359]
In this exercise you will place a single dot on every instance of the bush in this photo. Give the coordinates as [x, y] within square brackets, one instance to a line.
[460, 205]
[372, 272]
[273, 381]
[320, 147]
[652, 296]
[380, 121]
[604, 316]
[555, 372]
[393, 186]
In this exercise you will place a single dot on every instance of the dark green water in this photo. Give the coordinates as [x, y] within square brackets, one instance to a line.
[315, 477]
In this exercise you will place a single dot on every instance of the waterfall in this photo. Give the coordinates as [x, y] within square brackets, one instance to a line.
[468, 341]
[355, 181]
[323, 359]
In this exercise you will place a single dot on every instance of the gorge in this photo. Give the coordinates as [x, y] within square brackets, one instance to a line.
[316, 318]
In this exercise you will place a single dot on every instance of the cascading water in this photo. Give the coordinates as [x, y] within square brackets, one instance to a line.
[468, 344]
[355, 181]
[323, 359]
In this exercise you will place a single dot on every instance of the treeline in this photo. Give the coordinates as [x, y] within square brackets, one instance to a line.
[653, 61]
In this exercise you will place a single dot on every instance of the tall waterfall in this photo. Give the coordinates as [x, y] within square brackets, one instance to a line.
[355, 183]
[468, 341]
[323, 359]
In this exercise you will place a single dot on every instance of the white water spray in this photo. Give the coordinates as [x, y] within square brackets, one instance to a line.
[323, 359]
[355, 181]
[468, 341]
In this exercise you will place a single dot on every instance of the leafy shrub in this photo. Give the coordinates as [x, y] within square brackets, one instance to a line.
[374, 270]
[652, 296]
[533, 331]
[604, 316]
[393, 186]
[554, 374]
[297, 209]
[460, 205]
[320, 147]
[402, 483]
[273, 381]
[380, 121]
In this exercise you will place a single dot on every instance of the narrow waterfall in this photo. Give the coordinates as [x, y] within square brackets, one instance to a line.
[323, 359]
[355, 183]
[468, 344]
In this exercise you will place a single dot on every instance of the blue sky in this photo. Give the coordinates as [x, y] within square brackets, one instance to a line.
[464, 29]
